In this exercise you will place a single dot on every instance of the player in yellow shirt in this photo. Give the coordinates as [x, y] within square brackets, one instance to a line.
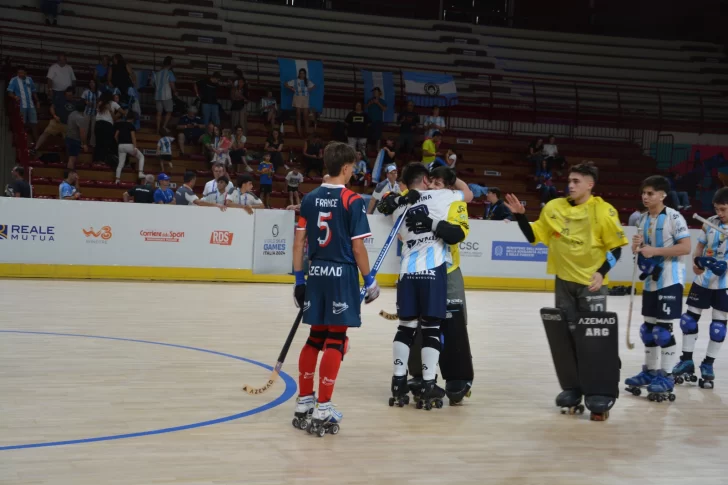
[456, 363]
[584, 237]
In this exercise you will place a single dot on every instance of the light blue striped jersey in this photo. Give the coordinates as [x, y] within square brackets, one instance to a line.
[715, 247]
[423, 251]
[300, 86]
[162, 89]
[92, 100]
[164, 145]
[665, 231]
[23, 89]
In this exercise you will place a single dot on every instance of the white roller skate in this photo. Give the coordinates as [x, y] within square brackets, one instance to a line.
[304, 410]
[325, 419]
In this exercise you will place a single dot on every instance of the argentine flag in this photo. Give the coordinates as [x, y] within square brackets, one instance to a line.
[383, 81]
[314, 70]
[429, 89]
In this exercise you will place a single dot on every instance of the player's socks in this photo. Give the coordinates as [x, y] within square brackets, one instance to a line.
[401, 346]
[331, 362]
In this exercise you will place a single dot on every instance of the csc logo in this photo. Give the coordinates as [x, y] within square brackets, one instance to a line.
[469, 246]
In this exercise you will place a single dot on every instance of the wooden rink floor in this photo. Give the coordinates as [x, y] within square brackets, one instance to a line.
[59, 388]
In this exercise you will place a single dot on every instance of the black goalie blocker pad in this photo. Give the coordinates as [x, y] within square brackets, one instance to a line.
[597, 351]
[456, 361]
[562, 347]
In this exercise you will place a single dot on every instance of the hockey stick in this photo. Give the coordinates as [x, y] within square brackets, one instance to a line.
[710, 224]
[632, 292]
[282, 356]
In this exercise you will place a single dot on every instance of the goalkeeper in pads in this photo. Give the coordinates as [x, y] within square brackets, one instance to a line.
[585, 240]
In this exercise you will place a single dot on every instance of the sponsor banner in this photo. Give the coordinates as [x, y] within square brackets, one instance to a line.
[222, 238]
[273, 242]
[518, 251]
[102, 236]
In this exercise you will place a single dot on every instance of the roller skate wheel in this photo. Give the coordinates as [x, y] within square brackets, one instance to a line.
[295, 423]
[701, 383]
[334, 429]
[303, 424]
[406, 400]
[564, 410]
[419, 404]
[650, 397]
[391, 401]
[599, 417]
[428, 406]
[321, 432]
[693, 378]
[580, 409]
[469, 393]
[679, 380]
[671, 397]
[637, 391]
[311, 428]
[438, 404]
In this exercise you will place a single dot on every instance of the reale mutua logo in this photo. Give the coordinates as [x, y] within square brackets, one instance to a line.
[22, 232]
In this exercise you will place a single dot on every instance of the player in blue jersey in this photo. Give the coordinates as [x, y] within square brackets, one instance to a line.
[709, 290]
[661, 241]
[422, 288]
[334, 223]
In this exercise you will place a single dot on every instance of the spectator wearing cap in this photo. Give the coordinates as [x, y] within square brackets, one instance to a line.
[22, 89]
[219, 195]
[218, 171]
[434, 122]
[497, 210]
[76, 134]
[190, 129]
[185, 195]
[429, 149]
[19, 188]
[143, 193]
[163, 195]
[243, 196]
[206, 90]
[68, 190]
[164, 90]
[60, 77]
[61, 109]
[383, 188]
[376, 106]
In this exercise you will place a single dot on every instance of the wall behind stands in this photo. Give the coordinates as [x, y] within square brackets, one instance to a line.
[83, 239]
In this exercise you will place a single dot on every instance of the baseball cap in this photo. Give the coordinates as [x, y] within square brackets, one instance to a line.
[391, 168]
[163, 176]
[436, 133]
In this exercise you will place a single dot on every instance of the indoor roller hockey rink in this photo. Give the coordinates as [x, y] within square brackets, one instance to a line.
[140, 384]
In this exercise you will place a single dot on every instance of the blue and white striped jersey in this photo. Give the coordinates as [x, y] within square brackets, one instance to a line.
[164, 145]
[92, 100]
[715, 247]
[162, 89]
[425, 251]
[665, 231]
[23, 89]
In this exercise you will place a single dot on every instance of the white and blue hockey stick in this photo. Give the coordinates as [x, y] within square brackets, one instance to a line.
[385, 249]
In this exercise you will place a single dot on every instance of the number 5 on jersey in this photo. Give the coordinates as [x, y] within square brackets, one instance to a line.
[323, 225]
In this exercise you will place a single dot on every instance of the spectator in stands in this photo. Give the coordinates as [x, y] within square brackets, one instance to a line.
[389, 153]
[408, 120]
[239, 94]
[434, 122]
[218, 171]
[101, 74]
[22, 89]
[60, 77]
[206, 90]
[19, 188]
[223, 149]
[186, 196]
[545, 183]
[134, 106]
[376, 107]
[120, 76]
[266, 171]
[429, 149]
[497, 210]
[164, 151]
[634, 218]
[190, 129]
[219, 195]
[142, 193]
[679, 199]
[313, 155]
[163, 195]
[383, 188]
[76, 134]
[357, 123]
[107, 113]
[551, 154]
[238, 152]
[209, 141]
[243, 196]
[269, 107]
[125, 136]
[449, 160]
[535, 152]
[91, 96]
[60, 111]
[274, 148]
[164, 92]
[50, 9]
[294, 179]
[68, 190]
[361, 169]
[301, 88]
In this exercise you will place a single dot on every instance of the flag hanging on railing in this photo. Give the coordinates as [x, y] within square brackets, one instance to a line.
[383, 81]
[289, 73]
[430, 89]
